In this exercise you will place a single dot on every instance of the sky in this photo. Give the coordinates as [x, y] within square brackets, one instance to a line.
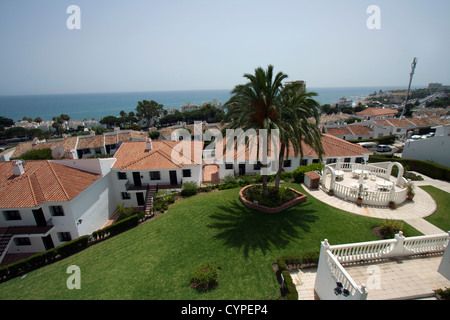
[132, 46]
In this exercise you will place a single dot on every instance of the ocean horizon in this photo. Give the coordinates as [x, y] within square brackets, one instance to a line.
[80, 106]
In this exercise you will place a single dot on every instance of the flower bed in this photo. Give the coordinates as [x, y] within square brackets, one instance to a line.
[293, 197]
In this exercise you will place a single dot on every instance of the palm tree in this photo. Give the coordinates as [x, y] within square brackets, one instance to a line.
[299, 117]
[255, 104]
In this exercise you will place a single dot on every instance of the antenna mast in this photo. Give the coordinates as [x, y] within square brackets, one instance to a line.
[413, 67]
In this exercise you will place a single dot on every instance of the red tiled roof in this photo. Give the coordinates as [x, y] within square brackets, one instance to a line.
[360, 130]
[338, 131]
[42, 181]
[377, 112]
[333, 147]
[132, 155]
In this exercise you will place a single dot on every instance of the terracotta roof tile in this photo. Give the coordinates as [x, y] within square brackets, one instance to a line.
[132, 155]
[42, 181]
[377, 112]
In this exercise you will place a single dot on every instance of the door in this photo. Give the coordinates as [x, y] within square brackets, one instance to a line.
[173, 177]
[140, 199]
[48, 242]
[242, 169]
[137, 179]
[39, 217]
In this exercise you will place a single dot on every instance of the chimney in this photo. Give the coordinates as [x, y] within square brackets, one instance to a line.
[18, 167]
[70, 154]
[148, 144]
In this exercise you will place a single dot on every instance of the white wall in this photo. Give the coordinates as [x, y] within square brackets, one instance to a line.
[436, 149]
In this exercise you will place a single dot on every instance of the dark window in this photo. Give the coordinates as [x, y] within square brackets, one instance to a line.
[359, 160]
[286, 163]
[304, 162]
[186, 173]
[22, 241]
[56, 211]
[332, 160]
[64, 236]
[126, 196]
[12, 215]
[347, 160]
[257, 166]
[155, 175]
[228, 166]
[122, 175]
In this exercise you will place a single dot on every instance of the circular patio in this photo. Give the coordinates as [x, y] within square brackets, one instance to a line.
[369, 184]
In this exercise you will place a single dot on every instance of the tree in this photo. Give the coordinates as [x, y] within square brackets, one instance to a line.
[148, 110]
[295, 127]
[254, 105]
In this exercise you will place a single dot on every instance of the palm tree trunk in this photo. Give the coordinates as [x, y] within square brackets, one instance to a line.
[264, 185]
[280, 167]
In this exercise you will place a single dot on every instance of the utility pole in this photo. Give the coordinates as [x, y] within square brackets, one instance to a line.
[413, 67]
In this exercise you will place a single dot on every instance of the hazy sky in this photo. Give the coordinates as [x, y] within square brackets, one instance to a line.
[192, 44]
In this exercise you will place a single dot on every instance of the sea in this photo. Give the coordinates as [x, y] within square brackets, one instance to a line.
[98, 105]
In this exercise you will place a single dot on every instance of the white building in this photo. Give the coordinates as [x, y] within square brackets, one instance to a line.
[158, 164]
[436, 148]
[46, 203]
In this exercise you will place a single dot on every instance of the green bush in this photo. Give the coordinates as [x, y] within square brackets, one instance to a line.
[122, 225]
[228, 179]
[73, 246]
[189, 188]
[290, 292]
[205, 277]
[389, 228]
[299, 174]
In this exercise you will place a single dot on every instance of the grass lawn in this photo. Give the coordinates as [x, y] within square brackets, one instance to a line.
[441, 217]
[155, 260]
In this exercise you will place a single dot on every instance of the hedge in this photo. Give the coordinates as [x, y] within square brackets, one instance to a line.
[430, 169]
[290, 292]
[299, 174]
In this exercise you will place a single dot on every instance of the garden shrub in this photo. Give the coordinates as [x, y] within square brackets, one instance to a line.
[299, 174]
[73, 246]
[389, 228]
[205, 277]
[189, 188]
[290, 292]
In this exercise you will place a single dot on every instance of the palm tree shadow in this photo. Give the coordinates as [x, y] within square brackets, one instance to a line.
[249, 230]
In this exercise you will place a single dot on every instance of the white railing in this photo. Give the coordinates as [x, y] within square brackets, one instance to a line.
[330, 270]
[426, 244]
[399, 246]
[340, 275]
[362, 251]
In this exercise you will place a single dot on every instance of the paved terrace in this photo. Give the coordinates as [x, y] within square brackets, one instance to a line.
[405, 278]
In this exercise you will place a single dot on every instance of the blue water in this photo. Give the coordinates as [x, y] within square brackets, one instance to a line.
[99, 105]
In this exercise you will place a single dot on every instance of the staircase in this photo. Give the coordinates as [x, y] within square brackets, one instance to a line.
[151, 190]
[4, 241]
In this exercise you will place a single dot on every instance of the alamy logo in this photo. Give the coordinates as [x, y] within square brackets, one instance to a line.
[374, 20]
[73, 22]
[74, 280]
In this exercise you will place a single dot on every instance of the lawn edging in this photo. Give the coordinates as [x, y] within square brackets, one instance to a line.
[255, 206]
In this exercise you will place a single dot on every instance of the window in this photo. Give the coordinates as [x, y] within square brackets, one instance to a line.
[257, 166]
[228, 166]
[304, 162]
[359, 160]
[126, 196]
[22, 241]
[347, 160]
[155, 175]
[332, 160]
[286, 163]
[122, 175]
[12, 215]
[186, 173]
[64, 236]
[56, 211]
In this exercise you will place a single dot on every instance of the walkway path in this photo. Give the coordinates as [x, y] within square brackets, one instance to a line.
[412, 212]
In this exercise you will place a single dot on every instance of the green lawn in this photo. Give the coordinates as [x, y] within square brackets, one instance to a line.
[441, 217]
[155, 259]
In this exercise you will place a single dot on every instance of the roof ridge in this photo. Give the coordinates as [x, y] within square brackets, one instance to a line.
[57, 179]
